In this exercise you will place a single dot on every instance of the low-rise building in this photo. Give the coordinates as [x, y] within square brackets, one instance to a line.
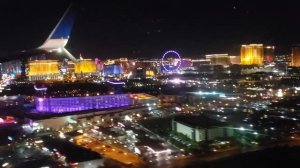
[200, 128]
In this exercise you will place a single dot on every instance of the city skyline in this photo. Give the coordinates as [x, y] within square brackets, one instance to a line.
[162, 84]
[134, 29]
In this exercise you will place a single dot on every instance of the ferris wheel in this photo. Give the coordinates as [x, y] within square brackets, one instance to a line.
[171, 61]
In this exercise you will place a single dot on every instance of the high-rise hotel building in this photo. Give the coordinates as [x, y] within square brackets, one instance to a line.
[252, 54]
[295, 57]
[269, 54]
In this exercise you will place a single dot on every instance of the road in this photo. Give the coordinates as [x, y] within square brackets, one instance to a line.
[109, 151]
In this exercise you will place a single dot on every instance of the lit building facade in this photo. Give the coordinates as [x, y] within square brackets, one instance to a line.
[218, 59]
[124, 64]
[252, 54]
[144, 99]
[201, 129]
[112, 69]
[149, 73]
[72, 104]
[11, 68]
[186, 64]
[85, 66]
[43, 70]
[235, 59]
[295, 57]
[269, 54]
[282, 62]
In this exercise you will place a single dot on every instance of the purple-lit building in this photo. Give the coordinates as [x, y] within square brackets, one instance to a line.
[70, 104]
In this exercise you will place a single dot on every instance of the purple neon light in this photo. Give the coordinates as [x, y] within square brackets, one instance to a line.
[166, 53]
[72, 104]
[116, 83]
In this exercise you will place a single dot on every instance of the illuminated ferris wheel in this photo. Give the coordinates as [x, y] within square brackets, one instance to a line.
[171, 61]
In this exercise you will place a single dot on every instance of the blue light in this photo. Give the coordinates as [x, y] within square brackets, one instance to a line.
[212, 93]
[114, 69]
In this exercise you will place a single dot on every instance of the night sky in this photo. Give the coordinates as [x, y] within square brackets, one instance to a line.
[147, 28]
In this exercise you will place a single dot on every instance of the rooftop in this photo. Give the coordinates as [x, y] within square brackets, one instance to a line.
[199, 121]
